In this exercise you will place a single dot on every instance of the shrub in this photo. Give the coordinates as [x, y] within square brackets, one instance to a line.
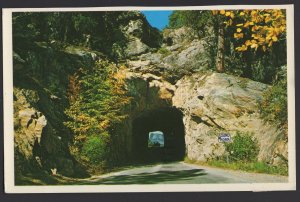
[243, 148]
[165, 52]
[95, 148]
[257, 167]
[274, 104]
[97, 100]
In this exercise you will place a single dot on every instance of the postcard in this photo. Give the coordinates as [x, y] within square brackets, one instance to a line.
[149, 99]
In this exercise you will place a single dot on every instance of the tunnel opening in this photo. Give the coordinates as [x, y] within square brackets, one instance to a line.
[167, 125]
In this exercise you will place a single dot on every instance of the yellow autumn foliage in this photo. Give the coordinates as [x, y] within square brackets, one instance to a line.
[258, 28]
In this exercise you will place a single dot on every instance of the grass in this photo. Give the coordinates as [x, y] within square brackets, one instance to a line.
[165, 52]
[243, 83]
[255, 167]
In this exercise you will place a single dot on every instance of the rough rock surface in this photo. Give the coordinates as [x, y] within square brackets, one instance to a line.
[149, 90]
[178, 36]
[28, 122]
[185, 55]
[35, 139]
[158, 75]
[212, 103]
[216, 103]
[41, 71]
[140, 36]
[40, 84]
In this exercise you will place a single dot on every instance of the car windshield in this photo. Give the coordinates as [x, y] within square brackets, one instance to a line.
[156, 139]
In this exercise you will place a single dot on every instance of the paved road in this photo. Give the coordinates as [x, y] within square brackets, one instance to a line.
[181, 173]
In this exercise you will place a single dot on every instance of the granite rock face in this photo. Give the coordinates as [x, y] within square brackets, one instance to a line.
[28, 122]
[40, 88]
[178, 36]
[35, 139]
[140, 36]
[166, 69]
[41, 79]
[217, 103]
[182, 56]
[212, 104]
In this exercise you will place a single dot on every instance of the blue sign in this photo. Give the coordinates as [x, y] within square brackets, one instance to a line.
[224, 138]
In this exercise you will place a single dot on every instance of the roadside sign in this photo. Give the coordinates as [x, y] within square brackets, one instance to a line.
[224, 137]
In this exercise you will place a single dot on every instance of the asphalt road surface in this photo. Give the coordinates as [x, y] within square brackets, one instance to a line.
[181, 173]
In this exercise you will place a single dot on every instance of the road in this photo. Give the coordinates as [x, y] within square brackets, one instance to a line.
[180, 173]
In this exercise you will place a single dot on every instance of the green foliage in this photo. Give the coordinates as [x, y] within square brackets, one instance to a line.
[100, 31]
[94, 148]
[210, 54]
[257, 167]
[96, 30]
[177, 19]
[165, 52]
[274, 104]
[258, 65]
[97, 100]
[198, 20]
[84, 23]
[243, 148]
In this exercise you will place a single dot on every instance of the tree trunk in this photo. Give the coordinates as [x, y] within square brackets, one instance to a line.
[66, 25]
[247, 72]
[221, 49]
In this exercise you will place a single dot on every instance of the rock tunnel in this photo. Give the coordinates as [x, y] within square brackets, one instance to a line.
[167, 121]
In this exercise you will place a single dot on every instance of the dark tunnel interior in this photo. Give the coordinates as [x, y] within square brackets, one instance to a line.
[167, 120]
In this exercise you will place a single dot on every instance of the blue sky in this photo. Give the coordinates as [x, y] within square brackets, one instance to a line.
[158, 19]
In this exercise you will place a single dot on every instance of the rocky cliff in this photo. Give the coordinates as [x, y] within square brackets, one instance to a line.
[218, 103]
[166, 70]
[41, 78]
[40, 83]
[212, 103]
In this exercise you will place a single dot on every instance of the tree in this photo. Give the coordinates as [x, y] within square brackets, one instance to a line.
[221, 45]
[260, 36]
[198, 20]
[256, 28]
[97, 100]
[248, 43]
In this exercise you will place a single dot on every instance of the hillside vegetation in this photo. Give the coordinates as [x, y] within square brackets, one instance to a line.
[81, 78]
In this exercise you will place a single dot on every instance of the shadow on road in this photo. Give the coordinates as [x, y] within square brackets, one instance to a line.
[152, 178]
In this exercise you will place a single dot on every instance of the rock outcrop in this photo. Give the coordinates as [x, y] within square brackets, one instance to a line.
[163, 70]
[215, 103]
[182, 53]
[35, 139]
[40, 86]
[138, 36]
[212, 104]
[28, 122]
[41, 79]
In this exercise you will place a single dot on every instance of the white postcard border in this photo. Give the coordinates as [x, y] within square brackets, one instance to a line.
[8, 114]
